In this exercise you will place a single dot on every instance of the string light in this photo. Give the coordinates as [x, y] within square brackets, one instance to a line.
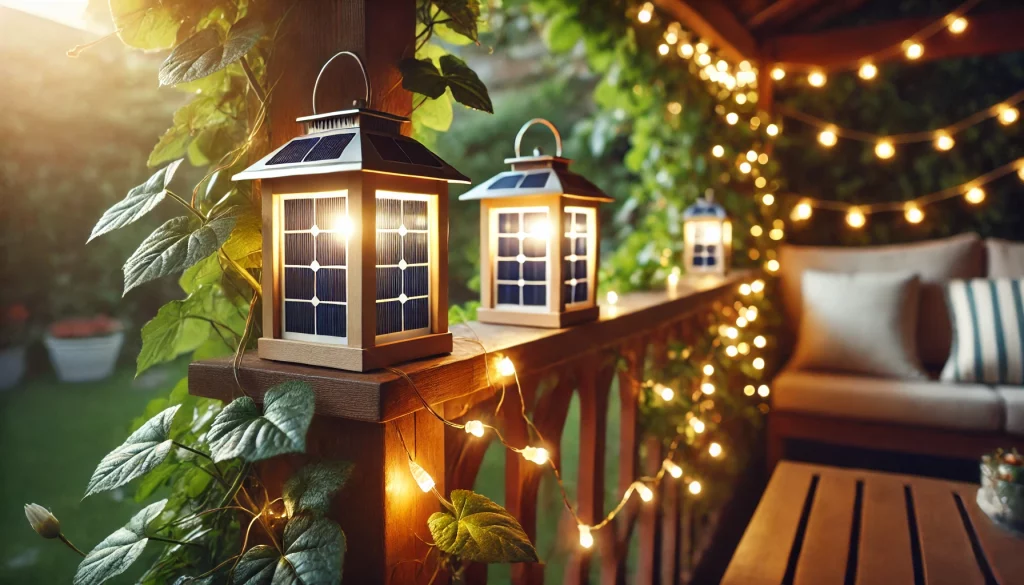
[745, 289]
[884, 149]
[1020, 173]
[749, 390]
[475, 428]
[763, 391]
[757, 286]
[538, 455]
[778, 73]
[855, 218]
[715, 450]
[802, 211]
[943, 141]
[506, 367]
[867, 71]
[718, 151]
[827, 137]
[758, 363]
[702, 48]
[645, 492]
[732, 118]
[612, 297]
[913, 213]
[1008, 115]
[697, 424]
[703, 59]
[975, 195]
[586, 538]
[760, 342]
[956, 24]
[760, 182]
[913, 50]
[772, 265]
[776, 234]
[772, 130]
[694, 487]
[731, 351]
[671, 36]
[745, 168]
[751, 156]
[685, 50]
[663, 49]
[768, 199]
[675, 108]
[421, 476]
[673, 469]
[708, 369]
[646, 12]
[707, 388]
[732, 332]
[817, 78]
[666, 393]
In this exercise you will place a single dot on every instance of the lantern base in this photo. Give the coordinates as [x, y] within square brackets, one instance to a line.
[355, 359]
[545, 320]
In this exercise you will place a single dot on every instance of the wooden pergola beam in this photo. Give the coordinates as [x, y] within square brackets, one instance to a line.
[780, 10]
[994, 32]
[712, 21]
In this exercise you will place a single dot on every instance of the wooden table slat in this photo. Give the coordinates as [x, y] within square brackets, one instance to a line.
[1004, 551]
[763, 552]
[946, 551]
[826, 543]
[883, 556]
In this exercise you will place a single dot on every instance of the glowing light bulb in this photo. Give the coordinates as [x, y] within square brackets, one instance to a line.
[802, 211]
[776, 234]
[762, 159]
[343, 225]
[540, 229]
[751, 156]
[778, 73]
[731, 332]
[749, 390]
[913, 213]
[828, 137]
[675, 108]
[943, 141]
[506, 367]
[612, 297]
[884, 149]
[697, 424]
[586, 538]
[763, 391]
[646, 12]
[743, 348]
[673, 279]
[757, 286]
[718, 151]
[731, 351]
[421, 476]
[475, 428]
[708, 369]
[732, 118]
[703, 59]
[760, 341]
[867, 71]
[751, 314]
[673, 469]
[742, 321]
[645, 492]
[772, 265]
[758, 363]
[745, 167]
[760, 182]
[685, 50]
[715, 450]
[1008, 115]
[671, 37]
[741, 98]
[913, 50]
[663, 49]
[855, 218]
[722, 65]
[666, 393]
[768, 199]
[975, 195]
[702, 47]
[1020, 173]
[744, 289]
[772, 130]
[694, 487]
[817, 79]
[956, 24]
[707, 388]
[538, 455]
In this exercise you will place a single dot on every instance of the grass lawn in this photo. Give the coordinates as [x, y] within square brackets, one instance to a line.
[52, 436]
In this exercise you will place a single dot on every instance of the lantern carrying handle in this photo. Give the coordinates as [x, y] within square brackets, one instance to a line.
[366, 78]
[526, 126]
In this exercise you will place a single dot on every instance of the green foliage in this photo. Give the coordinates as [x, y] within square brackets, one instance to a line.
[478, 530]
[313, 486]
[240, 430]
[183, 326]
[204, 53]
[117, 552]
[313, 549]
[175, 246]
[423, 77]
[145, 24]
[139, 201]
[463, 16]
[138, 455]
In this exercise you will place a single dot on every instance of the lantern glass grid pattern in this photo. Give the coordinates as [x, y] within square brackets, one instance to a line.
[314, 255]
[706, 242]
[522, 258]
[403, 264]
[577, 235]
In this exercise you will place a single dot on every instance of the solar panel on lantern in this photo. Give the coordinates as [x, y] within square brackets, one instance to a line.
[293, 152]
[329, 148]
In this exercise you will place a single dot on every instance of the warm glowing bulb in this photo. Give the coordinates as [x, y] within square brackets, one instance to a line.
[760, 341]
[957, 24]
[867, 71]
[586, 538]
[685, 50]
[913, 213]
[645, 492]
[803, 211]
[758, 363]
[1020, 173]
[646, 12]
[751, 156]
[506, 367]
[763, 391]
[741, 98]
[855, 218]
[731, 351]
[751, 314]
[343, 225]
[538, 455]
[749, 390]
[943, 141]
[732, 118]
[744, 289]
[675, 108]
[671, 37]
[663, 49]
[708, 369]
[702, 47]
[540, 229]
[475, 428]
[707, 388]
[778, 73]
[913, 50]
[718, 151]
[743, 348]
[757, 286]
[732, 332]
[817, 79]
[612, 297]
[828, 137]
[715, 450]
[760, 182]
[884, 149]
[776, 234]
[1008, 115]
[673, 469]
[697, 424]
[703, 59]
[772, 265]
[722, 65]
[745, 167]
[673, 279]
[742, 321]
[421, 476]
[694, 487]
[975, 196]
[768, 199]
[772, 130]
[665, 392]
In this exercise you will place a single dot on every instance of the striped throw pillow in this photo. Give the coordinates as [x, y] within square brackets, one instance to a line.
[988, 331]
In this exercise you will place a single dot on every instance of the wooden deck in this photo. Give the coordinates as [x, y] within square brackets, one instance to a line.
[820, 525]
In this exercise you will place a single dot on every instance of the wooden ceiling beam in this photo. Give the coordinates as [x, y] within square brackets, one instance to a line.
[778, 13]
[712, 21]
[993, 32]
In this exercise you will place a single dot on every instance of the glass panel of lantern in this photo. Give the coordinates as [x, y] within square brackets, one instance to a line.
[707, 237]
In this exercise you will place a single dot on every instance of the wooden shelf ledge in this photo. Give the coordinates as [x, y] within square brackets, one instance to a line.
[381, 396]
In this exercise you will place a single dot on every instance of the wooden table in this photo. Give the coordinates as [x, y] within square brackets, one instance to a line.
[819, 525]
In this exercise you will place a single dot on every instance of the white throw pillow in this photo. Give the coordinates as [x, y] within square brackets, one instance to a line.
[861, 322]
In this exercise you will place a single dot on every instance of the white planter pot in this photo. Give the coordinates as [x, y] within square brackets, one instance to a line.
[86, 359]
[12, 366]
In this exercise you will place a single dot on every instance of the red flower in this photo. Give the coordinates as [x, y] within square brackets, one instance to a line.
[17, 314]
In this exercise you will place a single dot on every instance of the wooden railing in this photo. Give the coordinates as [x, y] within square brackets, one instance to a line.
[384, 515]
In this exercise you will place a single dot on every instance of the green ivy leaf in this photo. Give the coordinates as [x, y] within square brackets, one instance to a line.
[141, 452]
[423, 77]
[203, 53]
[175, 246]
[206, 271]
[436, 114]
[314, 548]
[313, 486]
[115, 553]
[464, 16]
[563, 31]
[139, 201]
[245, 246]
[176, 330]
[145, 24]
[467, 89]
[241, 431]
[201, 115]
[481, 531]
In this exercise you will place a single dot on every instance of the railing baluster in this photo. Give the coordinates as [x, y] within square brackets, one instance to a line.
[522, 477]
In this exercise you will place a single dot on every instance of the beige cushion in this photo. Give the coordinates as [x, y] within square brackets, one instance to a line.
[935, 261]
[926, 403]
[1013, 398]
[863, 322]
[1005, 258]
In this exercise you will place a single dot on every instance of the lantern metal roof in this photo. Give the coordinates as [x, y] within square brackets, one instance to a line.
[539, 174]
[705, 208]
[357, 139]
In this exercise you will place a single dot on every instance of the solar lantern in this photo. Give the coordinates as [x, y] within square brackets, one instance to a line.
[707, 237]
[539, 235]
[355, 242]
